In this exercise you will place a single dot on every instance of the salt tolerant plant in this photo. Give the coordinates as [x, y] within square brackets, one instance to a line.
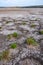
[0, 56]
[5, 55]
[31, 41]
[15, 34]
[24, 23]
[9, 36]
[13, 45]
[41, 31]
[7, 22]
[33, 25]
[0, 27]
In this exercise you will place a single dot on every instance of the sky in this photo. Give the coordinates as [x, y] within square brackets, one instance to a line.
[4, 3]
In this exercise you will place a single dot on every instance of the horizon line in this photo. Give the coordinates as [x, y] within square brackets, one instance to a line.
[22, 6]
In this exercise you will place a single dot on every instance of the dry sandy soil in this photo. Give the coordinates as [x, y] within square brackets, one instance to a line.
[14, 12]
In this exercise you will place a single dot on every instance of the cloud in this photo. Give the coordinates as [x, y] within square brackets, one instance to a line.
[7, 1]
[20, 2]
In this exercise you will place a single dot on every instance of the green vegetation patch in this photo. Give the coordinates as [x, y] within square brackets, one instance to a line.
[14, 34]
[33, 25]
[31, 41]
[24, 23]
[13, 46]
[7, 22]
[0, 56]
[41, 32]
[9, 36]
[5, 55]
[0, 27]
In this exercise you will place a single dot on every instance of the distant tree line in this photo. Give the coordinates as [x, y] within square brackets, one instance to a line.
[36, 6]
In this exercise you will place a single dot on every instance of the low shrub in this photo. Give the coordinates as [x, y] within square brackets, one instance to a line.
[0, 56]
[9, 36]
[5, 55]
[14, 34]
[24, 23]
[0, 27]
[7, 22]
[13, 46]
[33, 25]
[31, 41]
[41, 32]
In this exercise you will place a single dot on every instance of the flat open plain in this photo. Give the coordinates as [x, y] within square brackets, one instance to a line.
[21, 36]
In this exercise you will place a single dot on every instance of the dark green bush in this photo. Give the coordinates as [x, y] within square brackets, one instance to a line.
[13, 46]
[41, 32]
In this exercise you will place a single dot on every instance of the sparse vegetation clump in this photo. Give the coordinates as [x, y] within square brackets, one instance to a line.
[5, 55]
[41, 32]
[33, 25]
[14, 34]
[0, 56]
[14, 20]
[7, 22]
[13, 46]
[31, 41]
[9, 36]
[0, 27]
[24, 23]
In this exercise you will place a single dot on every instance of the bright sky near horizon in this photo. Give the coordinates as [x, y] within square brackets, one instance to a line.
[20, 2]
